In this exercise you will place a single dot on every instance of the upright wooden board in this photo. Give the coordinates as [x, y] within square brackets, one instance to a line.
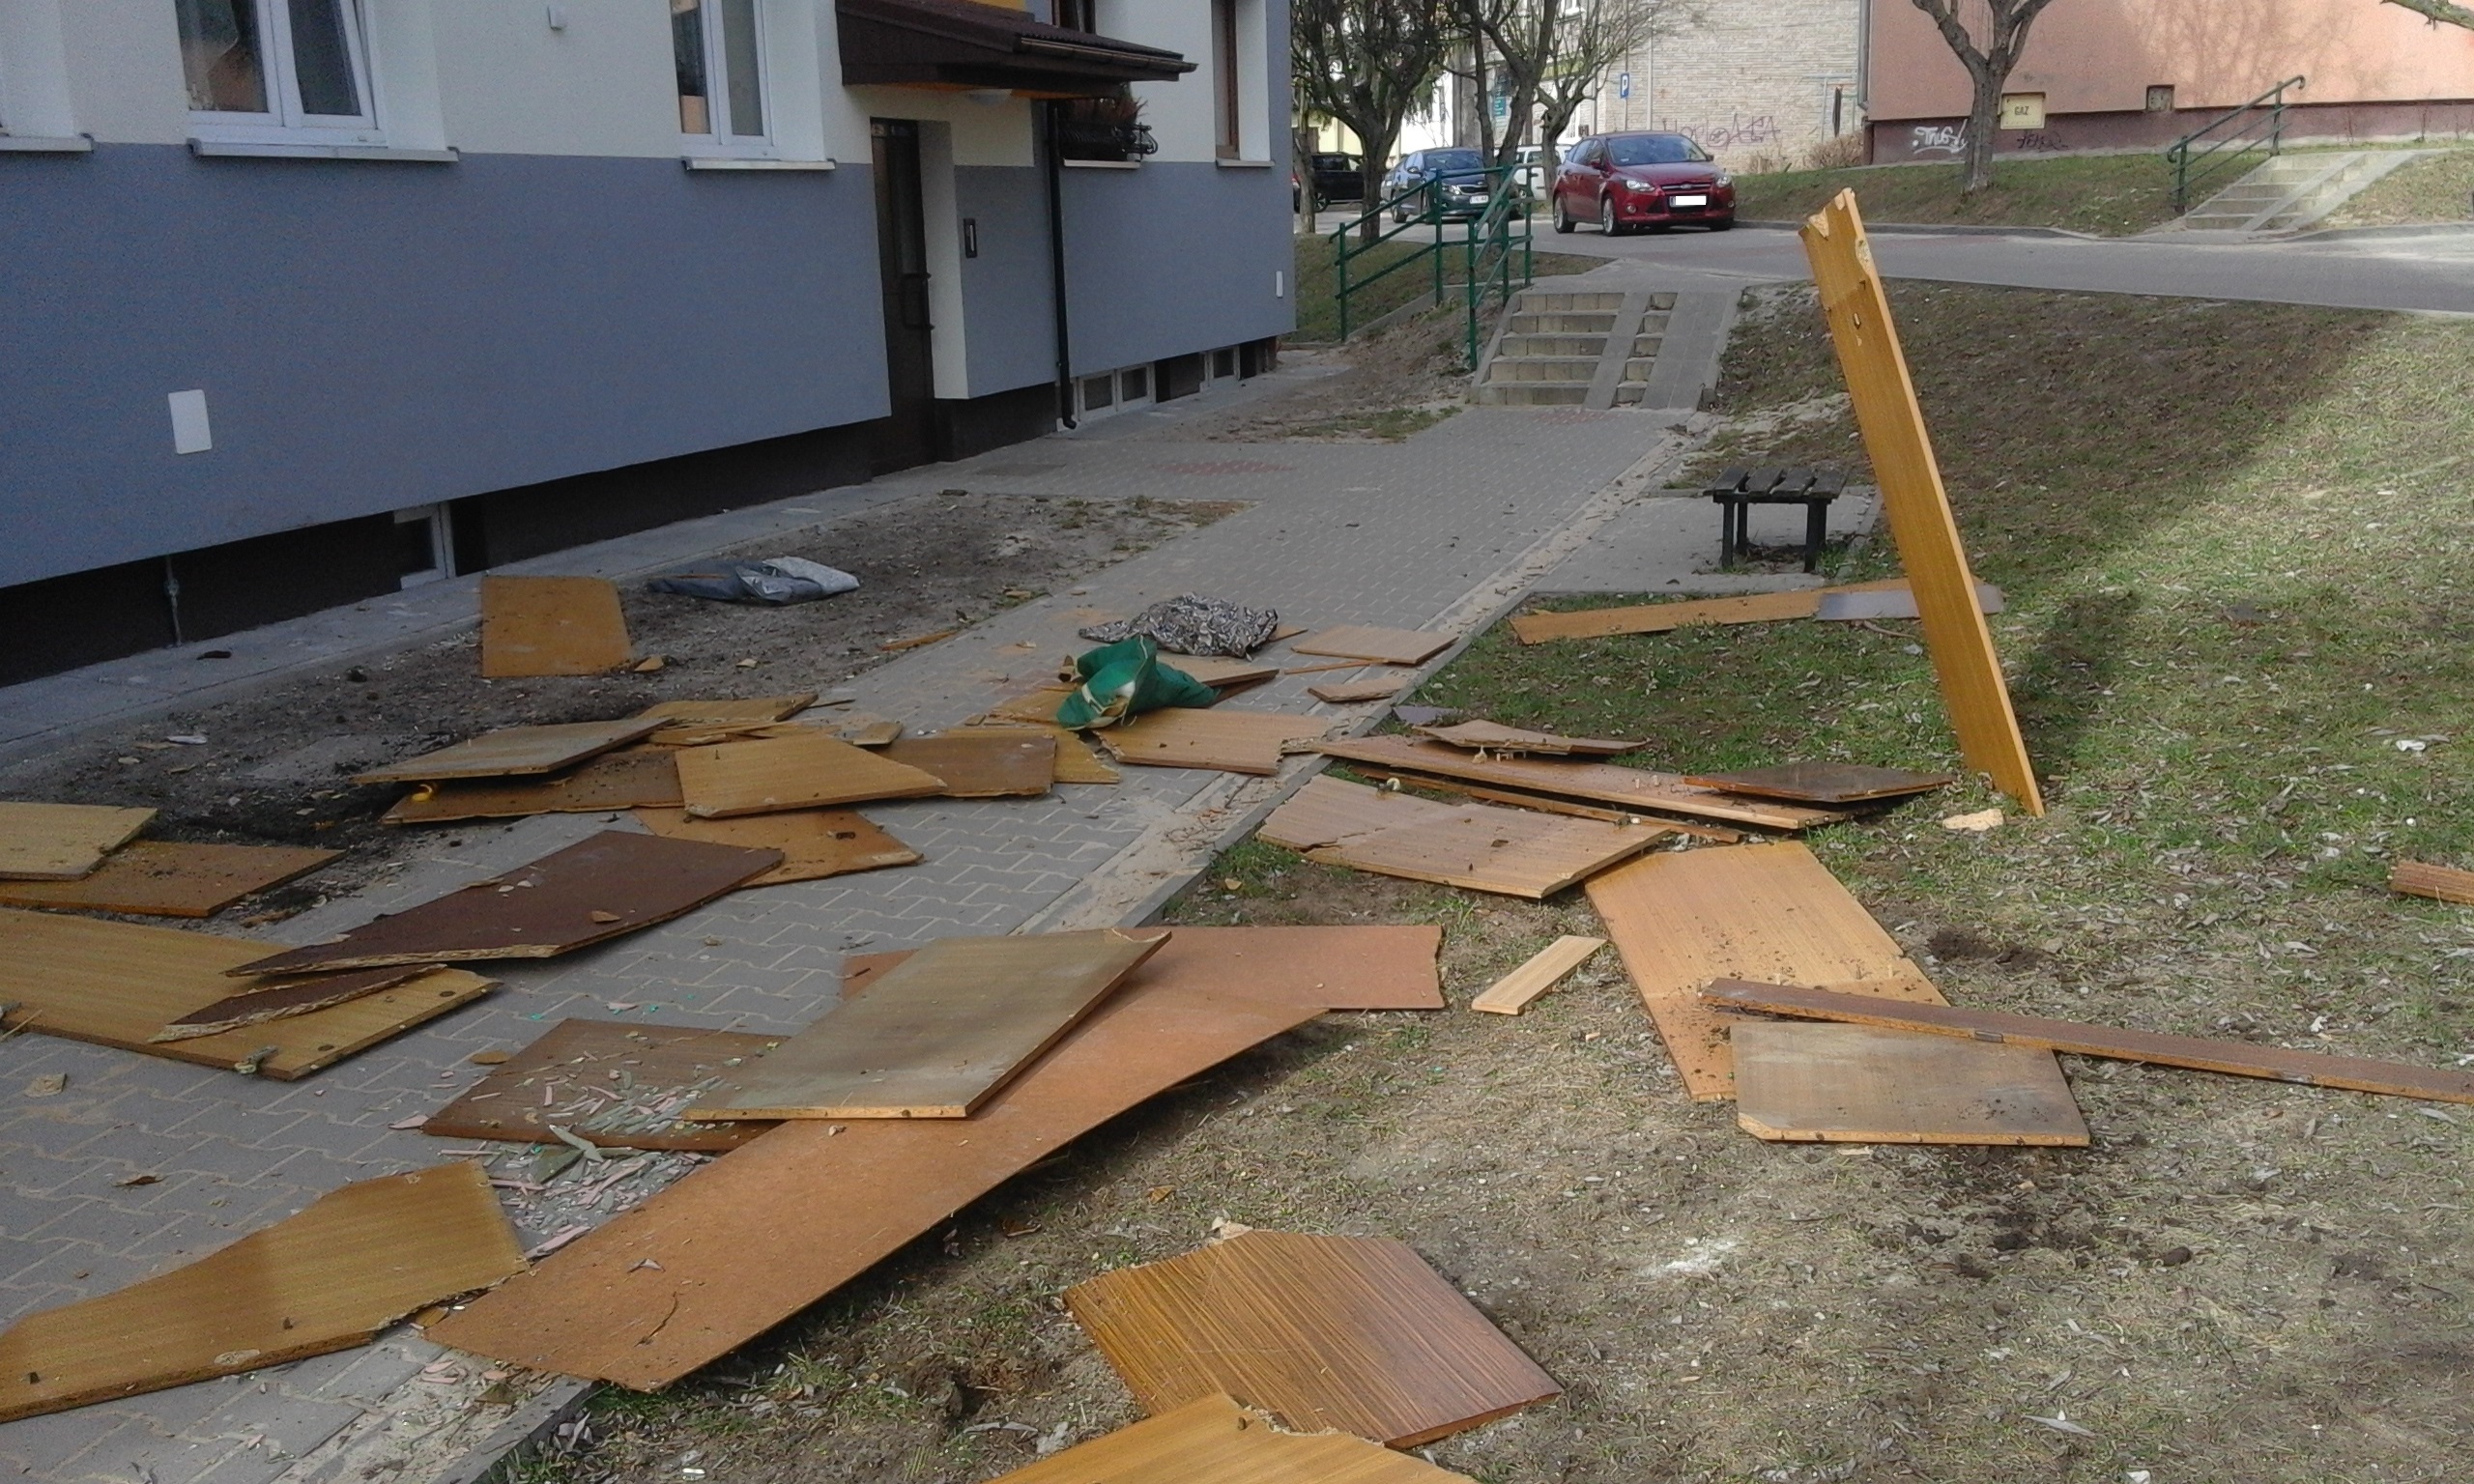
[63, 841]
[814, 842]
[1355, 1333]
[1511, 995]
[669, 1286]
[1823, 782]
[551, 626]
[1919, 509]
[607, 1082]
[1495, 737]
[2440, 883]
[611, 883]
[1383, 647]
[1767, 912]
[353, 1262]
[1636, 790]
[982, 764]
[809, 772]
[1217, 1441]
[939, 1034]
[1328, 968]
[630, 777]
[170, 878]
[1076, 762]
[1853, 1084]
[1231, 741]
[749, 708]
[514, 752]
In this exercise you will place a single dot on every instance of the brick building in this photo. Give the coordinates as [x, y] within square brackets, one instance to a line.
[1762, 84]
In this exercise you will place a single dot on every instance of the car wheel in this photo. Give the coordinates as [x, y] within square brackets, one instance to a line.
[1562, 216]
[1606, 221]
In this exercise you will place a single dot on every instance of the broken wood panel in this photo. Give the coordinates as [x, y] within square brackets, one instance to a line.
[1768, 912]
[63, 841]
[514, 752]
[1383, 647]
[355, 1261]
[2233, 1058]
[630, 777]
[1823, 782]
[749, 709]
[1343, 693]
[170, 878]
[1327, 810]
[668, 1287]
[1850, 606]
[2440, 883]
[1231, 741]
[551, 626]
[1660, 617]
[615, 882]
[1329, 968]
[1215, 1441]
[939, 1034]
[1854, 1084]
[1509, 851]
[814, 842]
[859, 728]
[1076, 761]
[1222, 672]
[1037, 707]
[809, 772]
[1354, 1333]
[983, 764]
[1917, 507]
[282, 1000]
[1493, 736]
[1634, 789]
[1511, 995]
[1554, 805]
[565, 1078]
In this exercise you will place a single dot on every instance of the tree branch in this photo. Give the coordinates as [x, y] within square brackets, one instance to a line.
[2440, 10]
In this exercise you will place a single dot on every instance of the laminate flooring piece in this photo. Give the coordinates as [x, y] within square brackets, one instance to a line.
[814, 842]
[1856, 1084]
[809, 772]
[939, 1034]
[1344, 693]
[1495, 737]
[1328, 968]
[1354, 1333]
[1823, 782]
[63, 841]
[1770, 912]
[551, 626]
[330, 1277]
[1215, 1441]
[1231, 741]
[1382, 646]
[2440, 883]
[283, 999]
[691, 712]
[1636, 790]
[1076, 761]
[641, 777]
[514, 752]
[608, 1082]
[1511, 995]
[170, 878]
[615, 882]
[982, 764]
[1514, 852]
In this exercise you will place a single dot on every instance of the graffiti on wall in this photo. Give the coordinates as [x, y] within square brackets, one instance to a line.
[1738, 132]
[1937, 139]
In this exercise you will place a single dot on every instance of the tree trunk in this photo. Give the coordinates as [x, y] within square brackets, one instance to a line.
[1371, 169]
[1984, 122]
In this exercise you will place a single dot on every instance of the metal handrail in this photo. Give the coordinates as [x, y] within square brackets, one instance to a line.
[2267, 110]
[1491, 229]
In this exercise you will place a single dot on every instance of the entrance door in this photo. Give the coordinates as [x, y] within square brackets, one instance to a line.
[908, 436]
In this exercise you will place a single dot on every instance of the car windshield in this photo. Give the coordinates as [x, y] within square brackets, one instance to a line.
[1654, 150]
[1454, 161]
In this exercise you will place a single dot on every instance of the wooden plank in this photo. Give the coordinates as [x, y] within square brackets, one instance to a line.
[63, 841]
[1327, 810]
[1495, 737]
[1076, 761]
[119, 983]
[668, 1287]
[1222, 672]
[1385, 646]
[514, 752]
[809, 772]
[747, 709]
[1328, 968]
[1662, 618]
[814, 842]
[1343, 693]
[563, 1079]
[1853, 1084]
[2233, 1058]
[1037, 707]
[982, 764]
[611, 883]
[1476, 845]
[1215, 1441]
[1355, 1333]
[355, 1261]
[640, 777]
[939, 1035]
[1554, 805]
[283, 999]
[2440, 883]
[1231, 741]
[170, 878]
[551, 626]
[1823, 782]
[859, 728]
[1511, 995]
[1919, 509]
[1768, 912]
[1636, 790]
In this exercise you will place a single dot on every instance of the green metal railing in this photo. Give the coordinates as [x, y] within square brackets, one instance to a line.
[2239, 133]
[1495, 253]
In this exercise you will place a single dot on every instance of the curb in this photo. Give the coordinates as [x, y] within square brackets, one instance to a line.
[2373, 233]
[1939, 229]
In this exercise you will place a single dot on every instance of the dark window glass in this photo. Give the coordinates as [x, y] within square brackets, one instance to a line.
[322, 59]
[1654, 150]
[221, 56]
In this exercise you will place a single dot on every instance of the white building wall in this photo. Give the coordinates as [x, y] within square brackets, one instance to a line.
[1753, 80]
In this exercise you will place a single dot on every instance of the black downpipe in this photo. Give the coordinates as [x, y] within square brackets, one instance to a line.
[1057, 268]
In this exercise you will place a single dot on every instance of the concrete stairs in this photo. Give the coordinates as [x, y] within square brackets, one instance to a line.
[1603, 348]
[2290, 191]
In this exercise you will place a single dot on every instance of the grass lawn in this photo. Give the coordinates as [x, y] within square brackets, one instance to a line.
[1318, 307]
[2108, 195]
[2439, 187]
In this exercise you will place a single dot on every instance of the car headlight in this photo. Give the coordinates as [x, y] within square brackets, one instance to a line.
[1642, 187]
[1724, 179]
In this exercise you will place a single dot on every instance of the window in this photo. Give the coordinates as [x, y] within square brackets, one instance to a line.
[721, 79]
[1228, 117]
[1076, 15]
[277, 66]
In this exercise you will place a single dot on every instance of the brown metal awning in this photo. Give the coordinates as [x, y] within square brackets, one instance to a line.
[962, 44]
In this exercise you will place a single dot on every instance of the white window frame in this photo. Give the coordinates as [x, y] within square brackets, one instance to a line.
[285, 122]
[713, 143]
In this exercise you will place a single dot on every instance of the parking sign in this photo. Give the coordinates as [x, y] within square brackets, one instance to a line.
[1623, 84]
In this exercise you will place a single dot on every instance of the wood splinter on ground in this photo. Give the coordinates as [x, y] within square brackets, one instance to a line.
[2440, 883]
[1511, 995]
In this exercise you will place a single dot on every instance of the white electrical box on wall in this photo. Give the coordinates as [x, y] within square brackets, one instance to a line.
[191, 431]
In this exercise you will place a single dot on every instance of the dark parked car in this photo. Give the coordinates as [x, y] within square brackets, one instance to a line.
[1458, 178]
[1627, 182]
[1336, 176]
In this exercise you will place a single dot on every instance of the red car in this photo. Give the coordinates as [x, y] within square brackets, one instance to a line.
[1627, 182]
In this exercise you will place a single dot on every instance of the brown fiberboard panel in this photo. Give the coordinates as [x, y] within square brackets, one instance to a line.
[1660, 617]
[1076, 761]
[1215, 1441]
[668, 1287]
[1222, 672]
[1511, 851]
[2440, 883]
[1494, 737]
[353, 1262]
[283, 999]
[630, 777]
[1770, 912]
[1511, 995]
[1856, 1084]
[1328, 968]
[1916, 506]
[1343, 693]
[63, 841]
[814, 842]
[611, 883]
[1231, 741]
[170, 878]
[982, 764]
[749, 708]
[551, 626]
[607, 1082]
[809, 772]
[1823, 782]
[1354, 1333]
[1637, 790]
[514, 752]
[2233, 1058]
[938, 1034]
[1383, 647]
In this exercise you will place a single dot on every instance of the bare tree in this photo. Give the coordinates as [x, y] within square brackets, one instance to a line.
[2440, 10]
[1552, 55]
[2006, 23]
[1368, 64]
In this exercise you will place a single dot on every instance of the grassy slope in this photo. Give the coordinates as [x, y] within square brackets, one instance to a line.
[1319, 313]
[2437, 189]
[2111, 194]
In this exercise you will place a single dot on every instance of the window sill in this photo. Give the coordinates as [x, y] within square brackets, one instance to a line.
[1242, 164]
[1100, 165]
[739, 162]
[39, 144]
[216, 149]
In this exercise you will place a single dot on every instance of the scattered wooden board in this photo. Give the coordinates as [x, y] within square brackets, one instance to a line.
[1343, 693]
[63, 841]
[1914, 501]
[1383, 647]
[859, 728]
[1823, 782]
[1850, 606]
[749, 709]
[611, 883]
[119, 983]
[2233, 1058]
[814, 842]
[1329, 968]
[982, 764]
[1546, 803]
[2440, 883]
[170, 878]
[1215, 1441]
[939, 1035]
[1511, 995]
[1355, 1333]
[1768, 912]
[630, 777]
[706, 733]
[551, 626]
[1221, 672]
[281, 1000]
[1511, 852]
[1037, 707]
[1231, 741]
[1853, 1084]
[355, 1261]
[514, 752]
[1492, 736]
[563, 1079]
[1636, 790]
[811, 772]
[1662, 618]
[1076, 762]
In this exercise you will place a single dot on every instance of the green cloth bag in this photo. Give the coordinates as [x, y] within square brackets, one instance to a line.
[1126, 680]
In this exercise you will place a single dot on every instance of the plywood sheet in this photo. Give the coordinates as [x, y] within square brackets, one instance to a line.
[1037, 707]
[809, 772]
[746, 708]
[611, 883]
[1660, 617]
[1511, 851]
[859, 728]
[1636, 790]
[1495, 737]
[1511, 995]
[1770, 912]
[608, 1082]
[1215, 1441]
[170, 878]
[1076, 761]
[1222, 672]
[2440, 883]
[355, 1261]
[63, 841]
[630, 777]
[814, 842]
[551, 626]
[1386, 646]
[514, 752]
[118, 984]
[1343, 693]
[668, 1287]
[1854, 1084]
[1231, 741]
[282, 999]
[1329, 968]
[1355, 1333]
[1916, 506]
[1823, 782]
[939, 1034]
[982, 764]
